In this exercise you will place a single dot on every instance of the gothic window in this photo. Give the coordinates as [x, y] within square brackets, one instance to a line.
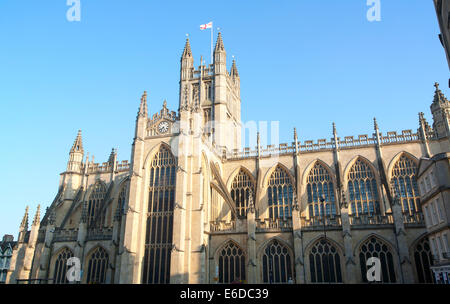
[363, 191]
[97, 266]
[231, 264]
[122, 198]
[241, 188]
[404, 184]
[424, 259]
[158, 240]
[95, 203]
[374, 247]
[325, 263]
[277, 263]
[280, 192]
[320, 185]
[60, 271]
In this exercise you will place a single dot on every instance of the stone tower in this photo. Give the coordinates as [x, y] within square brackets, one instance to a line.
[213, 92]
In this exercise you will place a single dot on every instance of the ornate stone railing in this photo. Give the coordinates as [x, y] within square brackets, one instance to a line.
[65, 235]
[222, 226]
[98, 234]
[269, 224]
[375, 219]
[413, 219]
[307, 146]
[321, 223]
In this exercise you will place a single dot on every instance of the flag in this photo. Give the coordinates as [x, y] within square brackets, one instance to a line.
[206, 26]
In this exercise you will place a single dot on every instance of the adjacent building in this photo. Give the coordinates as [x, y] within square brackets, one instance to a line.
[443, 15]
[192, 207]
[434, 180]
[6, 251]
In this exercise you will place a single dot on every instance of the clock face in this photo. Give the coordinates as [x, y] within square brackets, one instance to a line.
[163, 127]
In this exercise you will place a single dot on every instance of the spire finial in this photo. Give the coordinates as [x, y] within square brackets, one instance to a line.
[37, 216]
[143, 105]
[234, 72]
[78, 143]
[24, 223]
[187, 48]
[295, 135]
[375, 124]
[219, 43]
[334, 129]
[436, 85]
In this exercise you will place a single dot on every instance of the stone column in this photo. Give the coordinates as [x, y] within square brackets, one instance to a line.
[298, 244]
[251, 242]
[350, 269]
[403, 252]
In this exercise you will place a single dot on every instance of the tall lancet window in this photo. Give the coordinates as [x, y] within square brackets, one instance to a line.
[231, 264]
[362, 188]
[158, 240]
[241, 188]
[280, 193]
[320, 188]
[325, 263]
[277, 263]
[373, 247]
[122, 198]
[60, 269]
[404, 184]
[95, 203]
[97, 266]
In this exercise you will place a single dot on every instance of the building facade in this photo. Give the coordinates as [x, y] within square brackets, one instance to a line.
[6, 251]
[434, 184]
[443, 15]
[191, 207]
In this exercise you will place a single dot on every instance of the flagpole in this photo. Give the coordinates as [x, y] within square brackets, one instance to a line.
[212, 29]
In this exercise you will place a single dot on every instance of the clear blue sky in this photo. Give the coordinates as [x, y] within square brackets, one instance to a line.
[304, 63]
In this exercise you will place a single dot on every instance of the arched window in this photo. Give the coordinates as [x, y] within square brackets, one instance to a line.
[404, 184]
[277, 263]
[59, 276]
[158, 240]
[362, 187]
[240, 190]
[325, 263]
[373, 247]
[231, 264]
[320, 185]
[95, 203]
[280, 192]
[122, 199]
[97, 266]
[424, 259]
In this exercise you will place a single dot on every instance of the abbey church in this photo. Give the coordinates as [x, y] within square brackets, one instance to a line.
[192, 206]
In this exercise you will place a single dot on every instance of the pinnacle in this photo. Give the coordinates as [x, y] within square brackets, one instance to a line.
[219, 44]
[187, 49]
[143, 105]
[78, 143]
[37, 216]
[234, 71]
[24, 223]
[438, 95]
